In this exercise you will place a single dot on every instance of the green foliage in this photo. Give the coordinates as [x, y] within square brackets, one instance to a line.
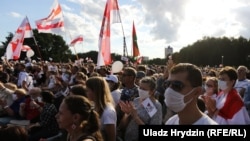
[215, 51]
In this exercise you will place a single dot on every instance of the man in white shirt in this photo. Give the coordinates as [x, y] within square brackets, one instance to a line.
[242, 82]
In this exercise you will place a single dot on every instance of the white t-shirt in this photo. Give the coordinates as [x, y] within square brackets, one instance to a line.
[116, 94]
[109, 115]
[242, 84]
[24, 76]
[204, 120]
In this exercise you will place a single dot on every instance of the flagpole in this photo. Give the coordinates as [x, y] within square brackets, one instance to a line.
[37, 48]
[76, 53]
[70, 39]
[125, 51]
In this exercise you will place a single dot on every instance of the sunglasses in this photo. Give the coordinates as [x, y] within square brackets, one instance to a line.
[175, 85]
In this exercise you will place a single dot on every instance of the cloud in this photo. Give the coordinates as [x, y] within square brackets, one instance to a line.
[160, 23]
[15, 14]
[166, 17]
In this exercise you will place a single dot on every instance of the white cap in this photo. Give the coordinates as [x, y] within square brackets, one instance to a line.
[112, 78]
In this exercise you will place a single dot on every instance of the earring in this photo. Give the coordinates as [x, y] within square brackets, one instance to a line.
[73, 126]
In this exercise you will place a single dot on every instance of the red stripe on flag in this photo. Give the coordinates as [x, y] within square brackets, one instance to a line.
[77, 39]
[40, 26]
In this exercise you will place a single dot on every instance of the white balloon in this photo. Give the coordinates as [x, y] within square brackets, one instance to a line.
[30, 53]
[117, 66]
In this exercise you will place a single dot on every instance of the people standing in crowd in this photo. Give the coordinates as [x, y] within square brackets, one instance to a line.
[139, 76]
[39, 76]
[228, 108]
[74, 70]
[6, 95]
[12, 111]
[4, 76]
[81, 78]
[77, 116]
[65, 75]
[246, 100]
[47, 125]
[91, 69]
[160, 89]
[242, 81]
[30, 108]
[211, 89]
[184, 86]
[25, 80]
[129, 91]
[114, 86]
[139, 111]
[78, 90]
[98, 92]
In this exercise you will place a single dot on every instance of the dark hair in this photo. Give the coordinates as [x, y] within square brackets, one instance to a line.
[84, 70]
[47, 96]
[130, 71]
[116, 85]
[150, 81]
[14, 133]
[141, 68]
[90, 118]
[78, 89]
[212, 73]
[194, 73]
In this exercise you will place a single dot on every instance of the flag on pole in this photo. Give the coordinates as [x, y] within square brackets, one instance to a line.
[26, 26]
[114, 12]
[104, 55]
[15, 46]
[136, 52]
[53, 23]
[78, 39]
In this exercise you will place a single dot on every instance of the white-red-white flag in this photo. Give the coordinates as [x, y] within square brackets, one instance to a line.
[54, 23]
[26, 26]
[104, 55]
[14, 47]
[78, 39]
[114, 12]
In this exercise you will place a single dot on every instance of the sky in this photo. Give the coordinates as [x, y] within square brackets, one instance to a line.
[158, 23]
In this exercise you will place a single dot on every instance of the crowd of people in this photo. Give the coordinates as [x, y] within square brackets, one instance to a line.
[79, 101]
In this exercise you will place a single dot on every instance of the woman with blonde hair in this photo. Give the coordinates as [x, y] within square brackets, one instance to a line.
[98, 92]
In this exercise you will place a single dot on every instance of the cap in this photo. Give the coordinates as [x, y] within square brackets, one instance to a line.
[140, 74]
[112, 78]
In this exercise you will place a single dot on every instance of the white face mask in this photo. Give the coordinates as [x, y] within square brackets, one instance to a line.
[39, 99]
[143, 94]
[175, 100]
[14, 96]
[222, 85]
